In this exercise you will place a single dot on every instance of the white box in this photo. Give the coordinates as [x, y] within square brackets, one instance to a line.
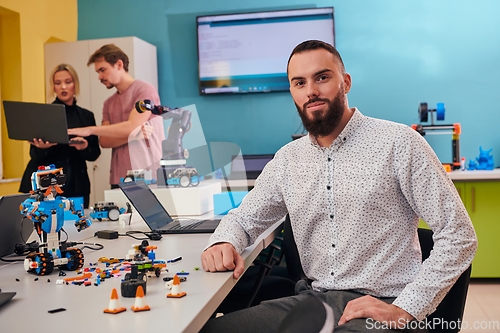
[178, 201]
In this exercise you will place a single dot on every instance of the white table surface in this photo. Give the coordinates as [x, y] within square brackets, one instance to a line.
[27, 311]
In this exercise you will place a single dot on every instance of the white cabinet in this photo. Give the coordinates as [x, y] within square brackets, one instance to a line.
[143, 66]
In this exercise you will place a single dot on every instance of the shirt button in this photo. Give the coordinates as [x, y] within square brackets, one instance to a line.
[331, 216]
[329, 159]
[328, 187]
[331, 273]
[333, 245]
[345, 139]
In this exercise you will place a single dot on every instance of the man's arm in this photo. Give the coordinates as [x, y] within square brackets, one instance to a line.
[432, 195]
[116, 131]
[260, 209]
[109, 142]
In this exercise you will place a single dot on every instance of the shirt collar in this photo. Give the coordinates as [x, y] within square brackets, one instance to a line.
[351, 127]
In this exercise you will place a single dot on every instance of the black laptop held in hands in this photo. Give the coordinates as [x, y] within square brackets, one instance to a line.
[28, 121]
[157, 217]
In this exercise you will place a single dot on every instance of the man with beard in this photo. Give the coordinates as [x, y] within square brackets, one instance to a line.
[354, 188]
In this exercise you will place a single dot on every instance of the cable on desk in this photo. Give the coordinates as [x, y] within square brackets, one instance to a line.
[151, 235]
[32, 247]
[23, 250]
[86, 245]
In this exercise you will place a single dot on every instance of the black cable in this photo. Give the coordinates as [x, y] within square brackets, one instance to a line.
[23, 250]
[86, 245]
[67, 237]
[21, 231]
[151, 235]
[10, 260]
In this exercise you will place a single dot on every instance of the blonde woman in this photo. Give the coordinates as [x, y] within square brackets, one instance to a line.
[65, 86]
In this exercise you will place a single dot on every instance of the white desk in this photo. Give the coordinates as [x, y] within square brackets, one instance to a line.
[27, 311]
[475, 175]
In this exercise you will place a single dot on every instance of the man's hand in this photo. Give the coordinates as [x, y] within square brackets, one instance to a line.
[40, 144]
[143, 132]
[81, 131]
[370, 307]
[79, 145]
[222, 257]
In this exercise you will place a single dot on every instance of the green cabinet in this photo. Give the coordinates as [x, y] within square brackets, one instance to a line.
[482, 201]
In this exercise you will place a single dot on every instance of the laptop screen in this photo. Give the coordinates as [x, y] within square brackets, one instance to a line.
[146, 204]
[26, 121]
[252, 165]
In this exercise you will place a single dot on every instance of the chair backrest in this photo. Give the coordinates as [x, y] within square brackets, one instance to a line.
[451, 308]
[292, 259]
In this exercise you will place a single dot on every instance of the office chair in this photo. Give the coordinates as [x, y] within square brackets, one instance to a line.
[450, 310]
[452, 307]
[278, 283]
[264, 280]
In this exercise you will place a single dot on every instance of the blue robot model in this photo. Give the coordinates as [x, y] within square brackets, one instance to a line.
[47, 213]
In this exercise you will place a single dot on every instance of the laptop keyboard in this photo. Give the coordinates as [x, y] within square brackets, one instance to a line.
[187, 227]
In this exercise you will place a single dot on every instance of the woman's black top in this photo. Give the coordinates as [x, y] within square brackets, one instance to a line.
[64, 156]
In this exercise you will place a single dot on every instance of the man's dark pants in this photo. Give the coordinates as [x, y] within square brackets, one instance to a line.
[267, 316]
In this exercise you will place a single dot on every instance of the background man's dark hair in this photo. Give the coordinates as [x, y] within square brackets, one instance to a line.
[111, 54]
[310, 45]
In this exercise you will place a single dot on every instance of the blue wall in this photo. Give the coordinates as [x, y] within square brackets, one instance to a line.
[399, 53]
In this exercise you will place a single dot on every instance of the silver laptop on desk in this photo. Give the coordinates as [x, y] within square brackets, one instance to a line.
[157, 217]
[28, 121]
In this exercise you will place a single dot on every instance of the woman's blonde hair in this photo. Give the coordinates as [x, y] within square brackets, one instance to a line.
[71, 71]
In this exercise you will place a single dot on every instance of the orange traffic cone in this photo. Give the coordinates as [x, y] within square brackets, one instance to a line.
[176, 289]
[140, 304]
[114, 304]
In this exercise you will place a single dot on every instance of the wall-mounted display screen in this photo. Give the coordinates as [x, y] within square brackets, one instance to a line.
[248, 53]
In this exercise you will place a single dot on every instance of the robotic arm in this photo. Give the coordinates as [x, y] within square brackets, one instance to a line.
[181, 123]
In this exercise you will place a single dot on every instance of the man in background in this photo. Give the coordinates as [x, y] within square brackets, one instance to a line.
[121, 123]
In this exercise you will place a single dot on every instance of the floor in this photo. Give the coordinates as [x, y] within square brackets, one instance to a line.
[482, 310]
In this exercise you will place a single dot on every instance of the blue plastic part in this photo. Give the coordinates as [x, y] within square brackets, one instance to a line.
[225, 201]
[440, 111]
[38, 261]
[485, 160]
[99, 215]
